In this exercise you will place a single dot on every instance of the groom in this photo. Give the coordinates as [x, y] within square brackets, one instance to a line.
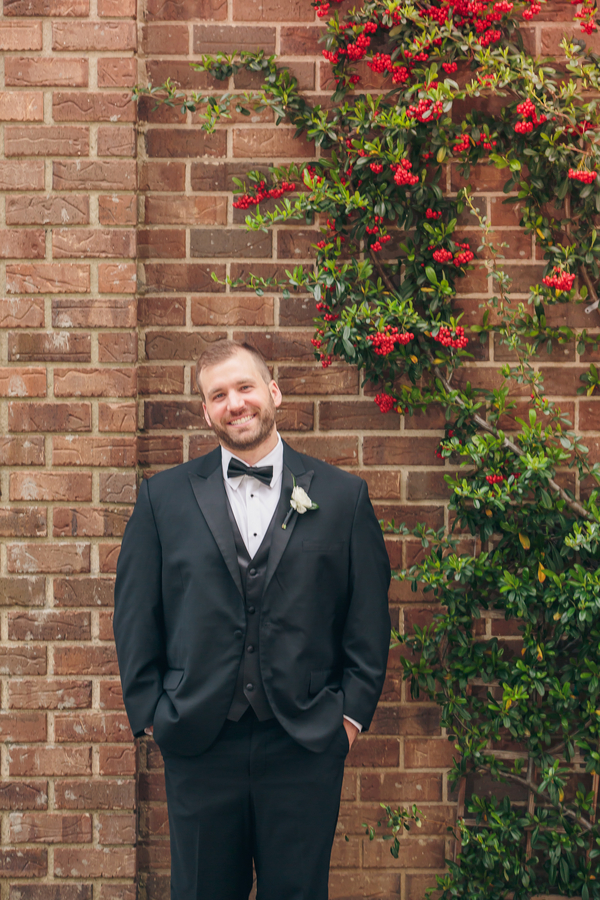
[252, 638]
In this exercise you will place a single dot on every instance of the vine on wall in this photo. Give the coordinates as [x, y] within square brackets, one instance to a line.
[524, 538]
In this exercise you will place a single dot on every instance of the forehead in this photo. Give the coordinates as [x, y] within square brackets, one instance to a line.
[231, 371]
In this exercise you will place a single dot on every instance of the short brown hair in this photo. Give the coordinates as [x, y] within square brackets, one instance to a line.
[221, 350]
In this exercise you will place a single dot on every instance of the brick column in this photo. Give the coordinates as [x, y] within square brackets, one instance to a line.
[68, 449]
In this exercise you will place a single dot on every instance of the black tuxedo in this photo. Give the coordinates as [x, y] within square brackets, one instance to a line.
[180, 627]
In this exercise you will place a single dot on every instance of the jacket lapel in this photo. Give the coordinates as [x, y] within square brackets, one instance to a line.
[209, 492]
[292, 468]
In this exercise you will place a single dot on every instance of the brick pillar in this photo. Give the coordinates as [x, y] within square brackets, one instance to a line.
[68, 448]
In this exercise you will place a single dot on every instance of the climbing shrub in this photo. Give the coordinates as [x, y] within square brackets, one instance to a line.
[523, 539]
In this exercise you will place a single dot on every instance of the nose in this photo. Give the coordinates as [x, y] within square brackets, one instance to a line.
[236, 401]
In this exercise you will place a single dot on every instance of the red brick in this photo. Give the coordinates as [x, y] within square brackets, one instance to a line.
[232, 309]
[107, 8]
[161, 311]
[23, 726]
[23, 795]
[117, 209]
[106, 382]
[32, 209]
[105, 633]
[93, 36]
[401, 451]
[271, 11]
[51, 346]
[161, 380]
[162, 243]
[21, 244]
[338, 451]
[21, 312]
[89, 521]
[180, 414]
[413, 853]
[29, 590]
[21, 106]
[95, 862]
[117, 417]
[92, 243]
[589, 415]
[83, 591]
[85, 661]
[49, 694]
[93, 175]
[169, 38]
[164, 176]
[83, 106]
[117, 487]
[117, 760]
[49, 417]
[47, 278]
[268, 143]
[21, 36]
[117, 278]
[50, 486]
[119, 346]
[402, 787]
[21, 175]
[116, 141]
[96, 727]
[182, 143]
[169, 209]
[116, 829]
[108, 555]
[437, 753]
[104, 794]
[23, 863]
[48, 558]
[46, 7]
[209, 10]
[27, 71]
[160, 450]
[93, 451]
[30, 522]
[179, 344]
[22, 451]
[23, 661]
[99, 312]
[49, 828]
[22, 382]
[49, 625]
[50, 761]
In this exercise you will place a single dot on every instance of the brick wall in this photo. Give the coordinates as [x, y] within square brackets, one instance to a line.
[89, 392]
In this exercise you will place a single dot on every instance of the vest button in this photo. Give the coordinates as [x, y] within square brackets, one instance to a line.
[238, 634]
[250, 648]
[249, 687]
[251, 610]
[252, 572]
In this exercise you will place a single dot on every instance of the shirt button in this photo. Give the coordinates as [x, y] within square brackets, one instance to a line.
[237, 634]
[252, 572]
[250, 648]
[251, 610]
[249, 687]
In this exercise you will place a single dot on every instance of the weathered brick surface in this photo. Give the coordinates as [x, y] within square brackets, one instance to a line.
[113, 224]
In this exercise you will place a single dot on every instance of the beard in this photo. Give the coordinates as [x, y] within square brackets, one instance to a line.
[264, 424]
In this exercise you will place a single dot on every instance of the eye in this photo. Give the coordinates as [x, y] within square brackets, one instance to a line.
[218, 396]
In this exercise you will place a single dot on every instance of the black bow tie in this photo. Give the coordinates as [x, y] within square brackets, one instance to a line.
[261, 473]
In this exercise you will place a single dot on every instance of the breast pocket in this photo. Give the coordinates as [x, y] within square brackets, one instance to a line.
[323, 546]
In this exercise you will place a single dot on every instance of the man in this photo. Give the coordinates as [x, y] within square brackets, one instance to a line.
[252, 634]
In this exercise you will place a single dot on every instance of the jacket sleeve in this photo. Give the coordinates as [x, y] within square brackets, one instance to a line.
[138, 619]
[366, 637]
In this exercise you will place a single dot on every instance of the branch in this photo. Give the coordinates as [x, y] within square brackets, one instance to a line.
[508, 444]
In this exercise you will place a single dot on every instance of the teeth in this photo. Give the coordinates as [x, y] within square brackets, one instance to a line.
[242, 420]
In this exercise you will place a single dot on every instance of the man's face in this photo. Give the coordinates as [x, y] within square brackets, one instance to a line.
[239, 405]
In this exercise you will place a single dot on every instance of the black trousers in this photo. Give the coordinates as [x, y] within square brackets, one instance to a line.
[255, 794]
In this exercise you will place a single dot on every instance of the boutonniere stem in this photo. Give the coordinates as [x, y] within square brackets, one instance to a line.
[300, 502]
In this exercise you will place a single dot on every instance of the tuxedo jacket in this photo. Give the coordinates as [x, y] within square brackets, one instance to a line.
[180, 617]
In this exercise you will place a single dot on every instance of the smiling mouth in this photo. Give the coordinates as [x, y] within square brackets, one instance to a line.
[243, 420]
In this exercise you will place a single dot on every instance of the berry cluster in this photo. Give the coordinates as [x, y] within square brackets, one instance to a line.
[445, 338]
[383, 342]
[378, 244]
[559, 280]
[426, 110]
[494, 479]
[264, 193]
[376, 168]
[583, 175]
[382, 63]
[442, 256]
[326, 360]
[386, 403]
[532, 10]
[402, 174]
[449, 67]
[530, 117]
[465, 256]
[431, 214]
[322, 7]
[586, 14]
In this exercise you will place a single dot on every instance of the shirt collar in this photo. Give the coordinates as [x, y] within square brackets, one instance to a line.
[274, 458]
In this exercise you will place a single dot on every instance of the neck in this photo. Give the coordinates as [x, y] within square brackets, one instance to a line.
[252, 456]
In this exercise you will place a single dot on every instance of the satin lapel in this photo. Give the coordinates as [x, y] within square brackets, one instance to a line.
[212, 500]
[281, 537]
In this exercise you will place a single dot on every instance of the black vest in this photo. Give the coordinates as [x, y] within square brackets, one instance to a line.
[249, 689]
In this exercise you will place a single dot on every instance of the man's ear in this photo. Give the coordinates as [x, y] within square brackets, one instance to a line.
[206, 415]
[275, 393]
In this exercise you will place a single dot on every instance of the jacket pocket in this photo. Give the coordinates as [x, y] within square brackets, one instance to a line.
[171, 679]
[323, 546]
[318, 680]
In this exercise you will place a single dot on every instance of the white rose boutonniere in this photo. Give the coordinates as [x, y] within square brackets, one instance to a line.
[300, 502]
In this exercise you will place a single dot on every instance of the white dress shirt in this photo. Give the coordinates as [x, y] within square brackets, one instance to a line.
[253, 503]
